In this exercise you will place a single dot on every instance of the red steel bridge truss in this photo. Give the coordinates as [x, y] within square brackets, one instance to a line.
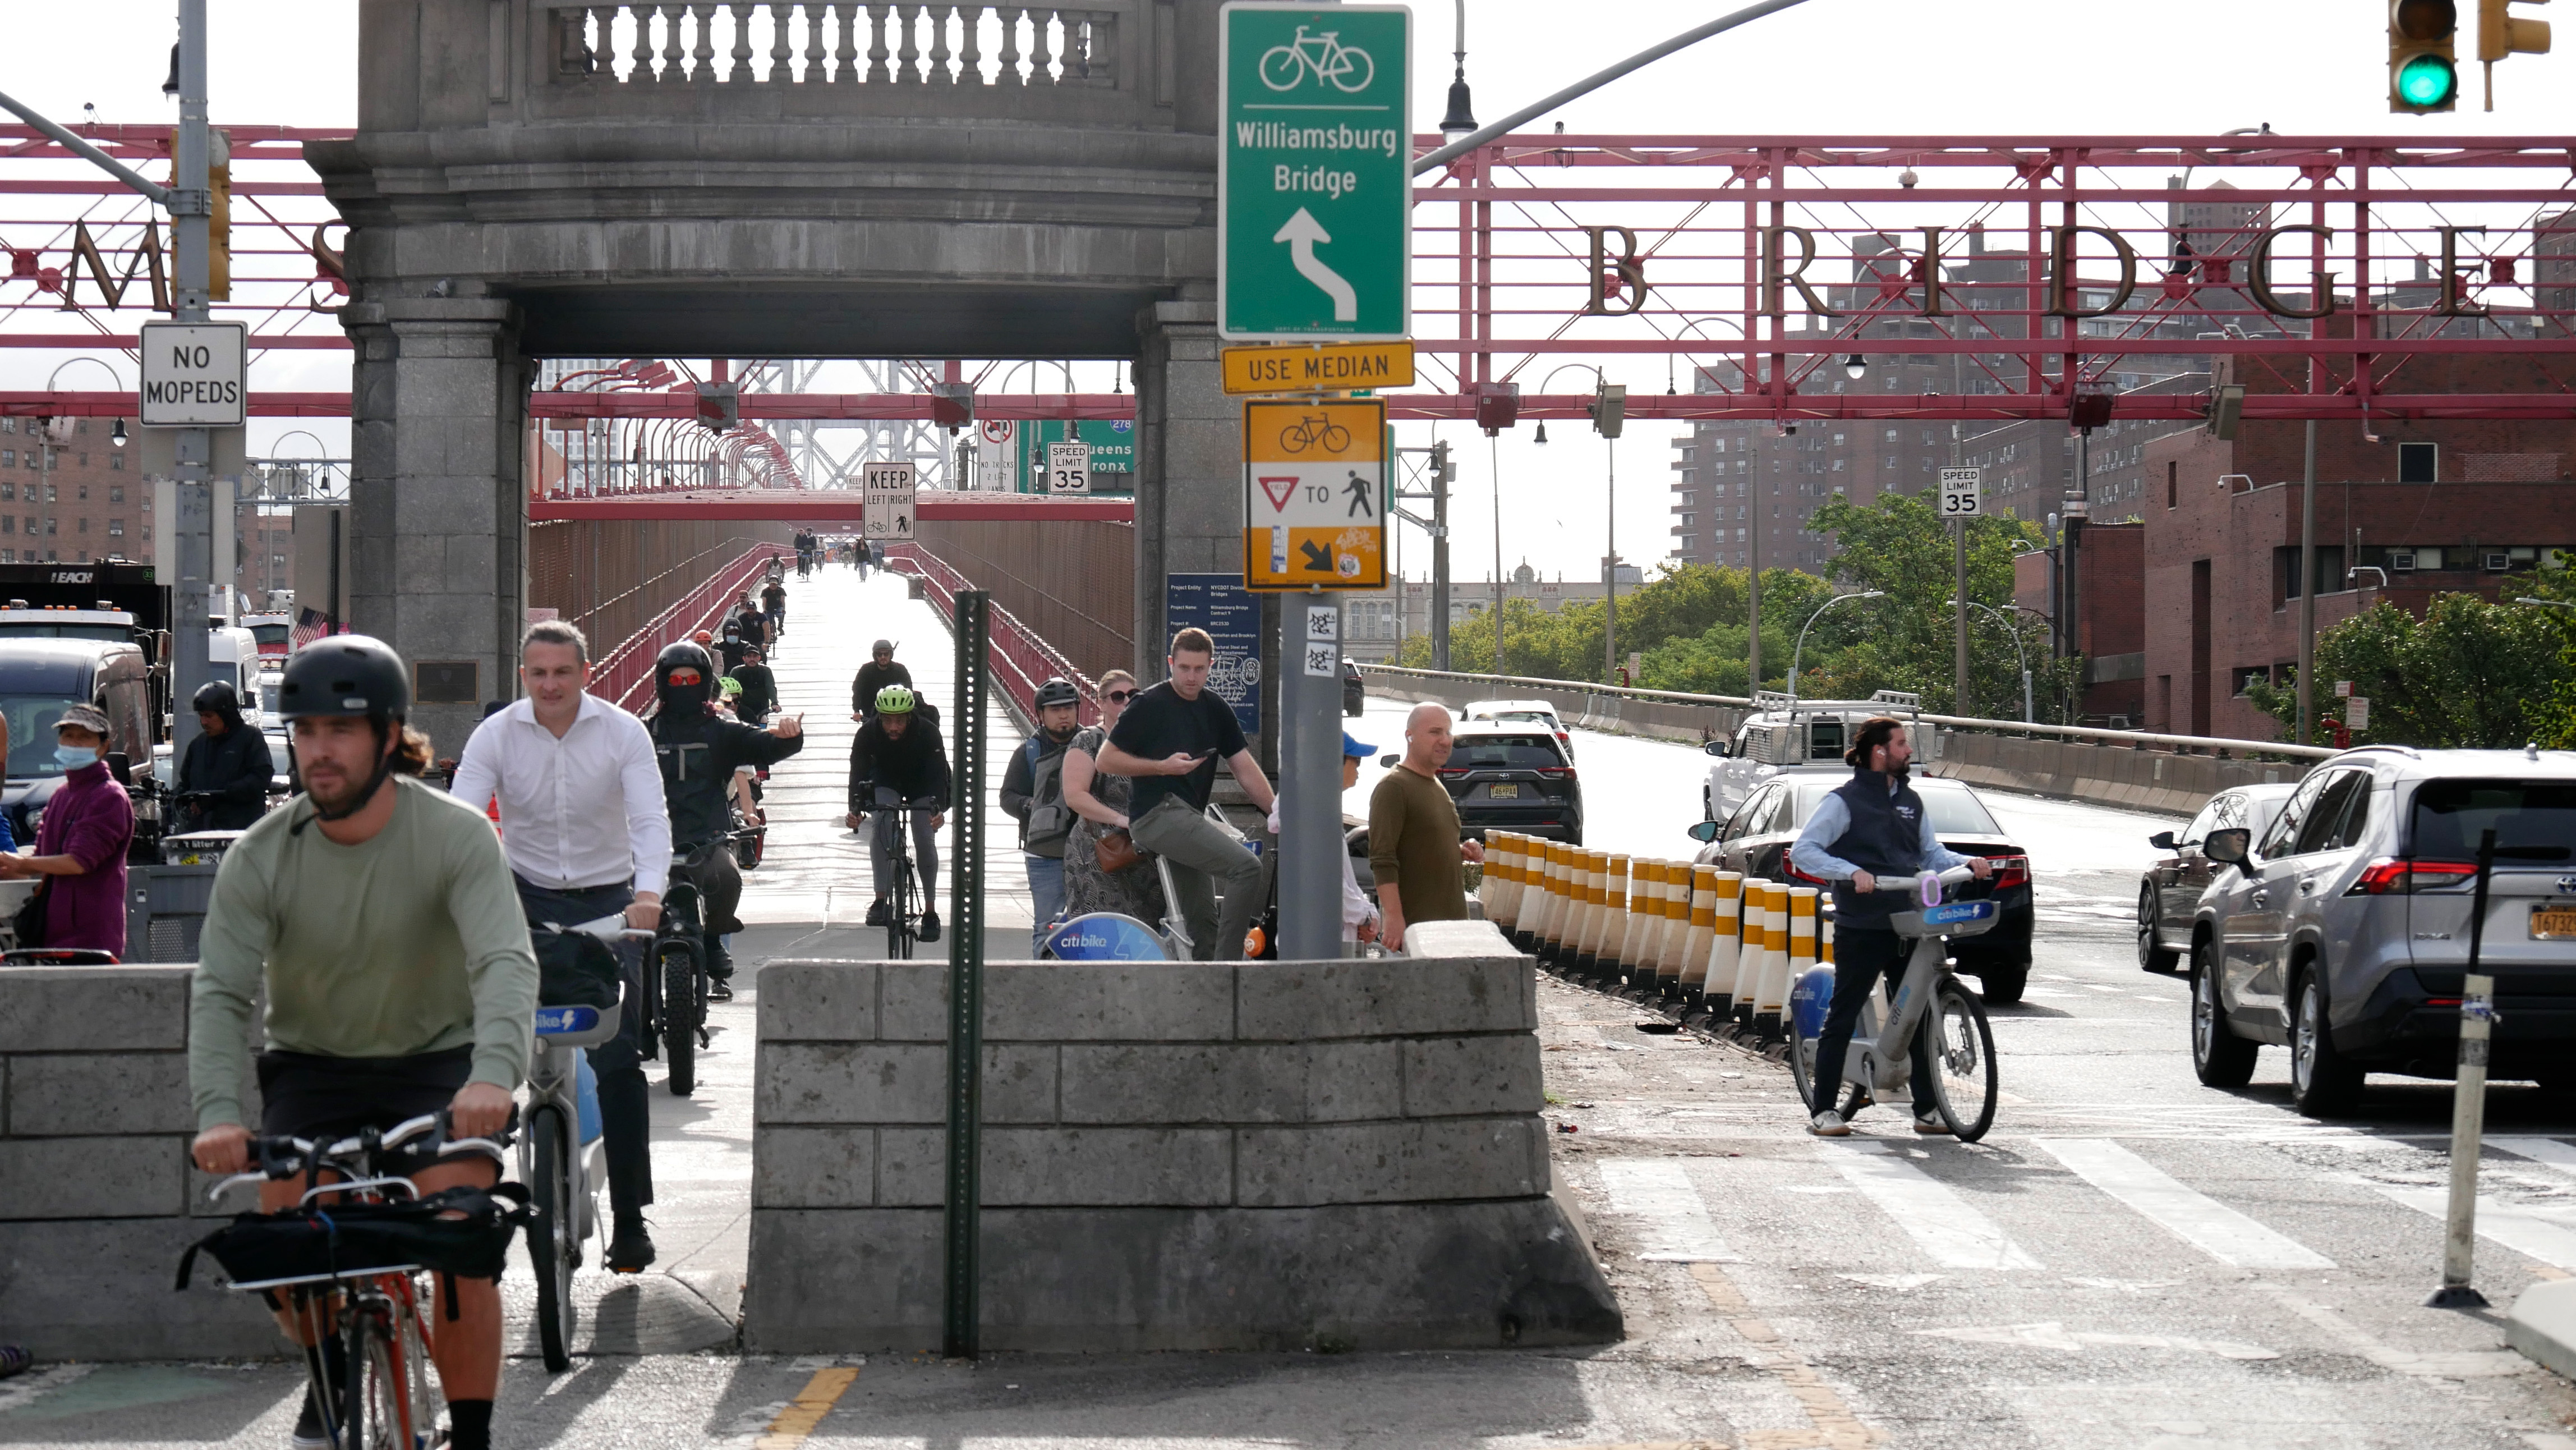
[1974, 277]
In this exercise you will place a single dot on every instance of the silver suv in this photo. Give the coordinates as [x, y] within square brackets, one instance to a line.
[2343, 933]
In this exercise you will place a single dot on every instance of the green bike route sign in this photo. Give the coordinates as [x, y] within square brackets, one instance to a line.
[1314, 181]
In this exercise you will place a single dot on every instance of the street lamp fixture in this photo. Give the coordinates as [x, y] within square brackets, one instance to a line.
[1855, 367]
[1541, 436]
[1798, 655]
[116, 436]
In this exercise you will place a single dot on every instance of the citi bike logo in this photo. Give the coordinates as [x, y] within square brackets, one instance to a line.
[1346, 68]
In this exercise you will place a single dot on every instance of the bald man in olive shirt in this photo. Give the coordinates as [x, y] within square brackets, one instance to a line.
[1414, 848]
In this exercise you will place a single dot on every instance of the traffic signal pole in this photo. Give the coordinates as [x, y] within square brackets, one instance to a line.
[191, 245]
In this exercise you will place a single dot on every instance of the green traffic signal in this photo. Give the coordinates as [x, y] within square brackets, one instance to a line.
[2428, 81]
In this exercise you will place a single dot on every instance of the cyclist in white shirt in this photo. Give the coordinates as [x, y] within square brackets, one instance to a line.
[584, 826]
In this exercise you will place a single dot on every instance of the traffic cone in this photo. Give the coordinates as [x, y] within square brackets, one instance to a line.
[1725, 965]
[1701, 920]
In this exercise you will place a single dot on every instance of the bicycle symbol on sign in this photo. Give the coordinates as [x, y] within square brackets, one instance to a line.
[1346, 68]
[1315, 430]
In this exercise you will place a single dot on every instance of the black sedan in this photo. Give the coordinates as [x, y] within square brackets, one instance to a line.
[1756, 840]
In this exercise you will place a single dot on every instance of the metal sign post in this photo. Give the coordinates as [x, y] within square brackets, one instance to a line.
[1314, 172]
[2469, 1104]
[1310, 766]
[1962, 498]
[963, 1309]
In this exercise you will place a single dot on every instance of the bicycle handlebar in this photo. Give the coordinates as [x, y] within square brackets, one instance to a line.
[1926, 886]
[282, 1157]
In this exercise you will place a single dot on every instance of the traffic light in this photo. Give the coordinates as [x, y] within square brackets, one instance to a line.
[2500, 36]
[2423, 76]
[1609, 409]
[219, 227]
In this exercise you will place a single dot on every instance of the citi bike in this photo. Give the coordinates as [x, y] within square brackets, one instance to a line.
[561, 1169]
[1933, 1015]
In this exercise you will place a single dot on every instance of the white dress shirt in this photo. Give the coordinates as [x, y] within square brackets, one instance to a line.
[582, 811]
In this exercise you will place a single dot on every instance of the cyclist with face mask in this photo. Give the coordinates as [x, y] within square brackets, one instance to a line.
[699, 751]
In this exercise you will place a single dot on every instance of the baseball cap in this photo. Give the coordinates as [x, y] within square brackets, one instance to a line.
[1356, 749]
[87, 717]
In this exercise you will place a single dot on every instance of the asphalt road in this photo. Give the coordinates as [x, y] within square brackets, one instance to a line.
[2129, 1259]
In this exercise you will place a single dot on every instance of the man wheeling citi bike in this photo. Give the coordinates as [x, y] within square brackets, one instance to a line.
[1874, 827]
[380, 917]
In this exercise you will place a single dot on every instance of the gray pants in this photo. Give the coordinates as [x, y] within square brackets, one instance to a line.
[1201, 856]
[925, 845]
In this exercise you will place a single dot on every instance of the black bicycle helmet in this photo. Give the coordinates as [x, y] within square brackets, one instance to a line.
[684, 679]
[1058, 692]
[345, 674]
[216, 697]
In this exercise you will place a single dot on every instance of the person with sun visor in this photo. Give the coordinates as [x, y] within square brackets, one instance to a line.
[379, 916]
[699, 750]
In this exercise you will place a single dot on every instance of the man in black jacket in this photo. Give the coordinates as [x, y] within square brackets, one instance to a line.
[699, 751]
[223, 779]
[879, 672]
[898, 767]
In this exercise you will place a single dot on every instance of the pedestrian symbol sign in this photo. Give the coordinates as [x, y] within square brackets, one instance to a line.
[887, 491]
[1314, 495]
[1314, 177]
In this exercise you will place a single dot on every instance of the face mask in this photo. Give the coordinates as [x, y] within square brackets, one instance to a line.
[73, 757]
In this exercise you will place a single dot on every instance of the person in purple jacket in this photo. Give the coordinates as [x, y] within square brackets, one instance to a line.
[82, 840]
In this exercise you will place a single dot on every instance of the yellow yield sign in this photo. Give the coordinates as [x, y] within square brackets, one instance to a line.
[1339, 367]
[1314, 495]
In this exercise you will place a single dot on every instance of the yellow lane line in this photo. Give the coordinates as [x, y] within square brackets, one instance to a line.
[1835, 1426]
[807, 1410]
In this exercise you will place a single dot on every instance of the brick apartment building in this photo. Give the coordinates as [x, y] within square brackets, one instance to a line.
[85, 503]
[2180, 609]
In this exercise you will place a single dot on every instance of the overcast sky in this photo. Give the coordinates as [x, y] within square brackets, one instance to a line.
[1827, 67]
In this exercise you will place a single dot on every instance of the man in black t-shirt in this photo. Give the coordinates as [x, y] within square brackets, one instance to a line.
[1169, 742]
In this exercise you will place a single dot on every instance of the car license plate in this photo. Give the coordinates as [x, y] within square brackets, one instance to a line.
[2556, 919]
[1513, 792]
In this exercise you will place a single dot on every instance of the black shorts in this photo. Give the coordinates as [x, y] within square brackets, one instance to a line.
[306, 1095]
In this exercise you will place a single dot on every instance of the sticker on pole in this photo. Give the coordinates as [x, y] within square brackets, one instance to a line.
[1323, 640]
[1314, 495]
[1963, 493]
[195, 374]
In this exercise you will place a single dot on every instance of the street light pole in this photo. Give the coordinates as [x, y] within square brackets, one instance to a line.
[1799, 654]
[1610, 575]
[2029, 715]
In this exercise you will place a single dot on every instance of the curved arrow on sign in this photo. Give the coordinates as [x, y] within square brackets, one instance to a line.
[1301, 233]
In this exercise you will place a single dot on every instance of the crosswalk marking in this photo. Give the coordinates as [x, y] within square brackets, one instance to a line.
[1954, 1234]
[2547, 1151]
[1673, 1225]
[2197, 1219]
[2551, 1240]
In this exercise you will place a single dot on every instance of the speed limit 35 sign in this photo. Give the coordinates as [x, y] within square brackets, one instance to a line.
[1962, 493]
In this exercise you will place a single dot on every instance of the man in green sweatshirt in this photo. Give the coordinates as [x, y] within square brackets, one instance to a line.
[380, 916]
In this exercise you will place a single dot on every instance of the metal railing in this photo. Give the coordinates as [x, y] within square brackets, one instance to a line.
[1021, 659]
[625, 673]
[2134, 739]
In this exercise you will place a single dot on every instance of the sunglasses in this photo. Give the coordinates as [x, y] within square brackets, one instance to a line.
[1122, 696]
[686, 677]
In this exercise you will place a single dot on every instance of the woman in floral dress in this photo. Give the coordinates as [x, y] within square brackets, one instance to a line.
[1099, 803]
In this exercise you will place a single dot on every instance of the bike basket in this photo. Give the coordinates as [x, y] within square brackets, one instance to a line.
[324, 1241]
[575, 969]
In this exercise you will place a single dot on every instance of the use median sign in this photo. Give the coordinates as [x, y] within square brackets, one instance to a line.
[1314, 173]
[1333, 367]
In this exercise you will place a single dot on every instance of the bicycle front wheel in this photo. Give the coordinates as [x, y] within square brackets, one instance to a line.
[899, 921]
[1337, 439]
[1958, 1049]
[382, 1414]
[679, 968]
[1354, 73]
[551, 1239]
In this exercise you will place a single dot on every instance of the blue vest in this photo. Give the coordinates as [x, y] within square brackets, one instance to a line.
[1885, 838]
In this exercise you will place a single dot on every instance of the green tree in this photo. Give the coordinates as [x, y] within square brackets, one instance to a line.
[1899, 546]
[2468, 674]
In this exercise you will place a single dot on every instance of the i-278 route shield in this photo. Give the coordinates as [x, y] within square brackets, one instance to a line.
[1314, 177]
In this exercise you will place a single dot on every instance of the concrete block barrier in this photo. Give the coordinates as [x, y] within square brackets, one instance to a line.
[1253, 1156]
[97, 1200]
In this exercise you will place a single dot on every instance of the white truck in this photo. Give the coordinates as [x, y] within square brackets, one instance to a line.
[1785, 734]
